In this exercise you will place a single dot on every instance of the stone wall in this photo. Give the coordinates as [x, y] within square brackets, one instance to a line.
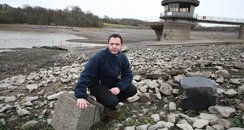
[175, 31]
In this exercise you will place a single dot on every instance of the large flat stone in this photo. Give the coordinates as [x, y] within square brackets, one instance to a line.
[68, 117]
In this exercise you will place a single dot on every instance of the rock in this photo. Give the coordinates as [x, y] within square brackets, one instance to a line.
[165, 124]
[184, 126]
[5, 86]
[231, 93]
[218, 67]
[239, 65]
[2, 121]
[200, 123]
[222, 111]
[165, 89]
[153, 84]
[172, 106]
[6, 108]
[129, 128]
[55, 96]
[218, 127]
[137, 77]
[157, 76]
[133, 98]
[220, 79]
[68, 117]
[240, 106]
[31, 87]
[23, 112]
[171, 118]
[155, 117]
[28, 98]
[9, 99]
[235, 81]
[27, 104]
[178, 77]
[223, 73]
[124, 48]
[175, 91]
[18, 80]
[235, 128]
[158, 95]
[220, 91]
[145, 97]
[224, 122]
[143, 88]
[142, 127]
[209, 128]
[241, 89]
[198, 74]
[31, 123]
[210, 117]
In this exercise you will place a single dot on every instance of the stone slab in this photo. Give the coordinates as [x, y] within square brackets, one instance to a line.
[68, 117]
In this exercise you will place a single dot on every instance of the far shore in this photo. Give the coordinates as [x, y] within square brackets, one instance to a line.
[130, 35]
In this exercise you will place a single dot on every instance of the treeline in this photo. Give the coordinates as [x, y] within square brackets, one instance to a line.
[124, 21]
[70, 16]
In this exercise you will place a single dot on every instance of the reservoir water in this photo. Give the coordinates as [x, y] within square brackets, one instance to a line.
[24, 39]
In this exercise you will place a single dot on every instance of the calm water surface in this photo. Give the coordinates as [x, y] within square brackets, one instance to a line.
[22, 39]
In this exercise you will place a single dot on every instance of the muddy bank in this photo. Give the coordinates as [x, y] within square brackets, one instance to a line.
[24, 61]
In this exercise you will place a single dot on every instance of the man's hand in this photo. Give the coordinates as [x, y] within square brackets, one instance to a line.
[82, 103]
[115, 90]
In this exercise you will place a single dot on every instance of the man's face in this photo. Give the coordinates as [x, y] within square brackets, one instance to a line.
[114, 45]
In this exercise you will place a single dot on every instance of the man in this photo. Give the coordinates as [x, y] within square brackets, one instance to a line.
[107, 75]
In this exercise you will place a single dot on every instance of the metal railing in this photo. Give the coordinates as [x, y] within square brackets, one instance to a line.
[220, 19]
[200, 17]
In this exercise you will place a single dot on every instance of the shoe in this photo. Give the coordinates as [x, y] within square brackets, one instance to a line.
[111, 113]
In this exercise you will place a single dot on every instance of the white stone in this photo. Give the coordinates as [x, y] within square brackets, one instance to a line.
[200, 123]
[31, 87]
[184, 126]
[155, 117]
[172, 106]
[54, 96]
[223, 111]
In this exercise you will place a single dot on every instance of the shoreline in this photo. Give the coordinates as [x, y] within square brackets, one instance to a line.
[134, 39]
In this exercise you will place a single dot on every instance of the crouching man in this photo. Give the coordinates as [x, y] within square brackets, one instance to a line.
[107, 75]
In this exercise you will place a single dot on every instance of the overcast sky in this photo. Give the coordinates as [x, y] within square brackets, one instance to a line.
[138, 9]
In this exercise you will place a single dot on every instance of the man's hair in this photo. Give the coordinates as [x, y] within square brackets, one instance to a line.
[115, 36]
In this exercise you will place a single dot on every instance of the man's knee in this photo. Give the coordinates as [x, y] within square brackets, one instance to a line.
[132, 90]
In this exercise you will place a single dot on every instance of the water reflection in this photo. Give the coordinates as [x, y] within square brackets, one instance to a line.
[22, 39]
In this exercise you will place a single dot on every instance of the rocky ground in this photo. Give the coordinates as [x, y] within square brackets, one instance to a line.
[32, 79]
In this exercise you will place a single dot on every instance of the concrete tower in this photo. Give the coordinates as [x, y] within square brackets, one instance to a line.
[178, 18]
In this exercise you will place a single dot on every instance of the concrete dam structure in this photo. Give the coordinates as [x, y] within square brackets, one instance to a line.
[178, 19]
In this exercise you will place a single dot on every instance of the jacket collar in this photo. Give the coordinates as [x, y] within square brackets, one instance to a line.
[109, 53]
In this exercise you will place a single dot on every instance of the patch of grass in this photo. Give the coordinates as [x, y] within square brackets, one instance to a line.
[191, 113]
[26, 127]
[116, 25]
[125, 114]
[147, 120]
[236, 121]
[130, 122]
[3, 127]
[48, 127]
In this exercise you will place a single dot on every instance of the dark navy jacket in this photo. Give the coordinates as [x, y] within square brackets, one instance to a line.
[106, 69]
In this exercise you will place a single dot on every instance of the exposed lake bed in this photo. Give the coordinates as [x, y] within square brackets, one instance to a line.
[52, 68]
